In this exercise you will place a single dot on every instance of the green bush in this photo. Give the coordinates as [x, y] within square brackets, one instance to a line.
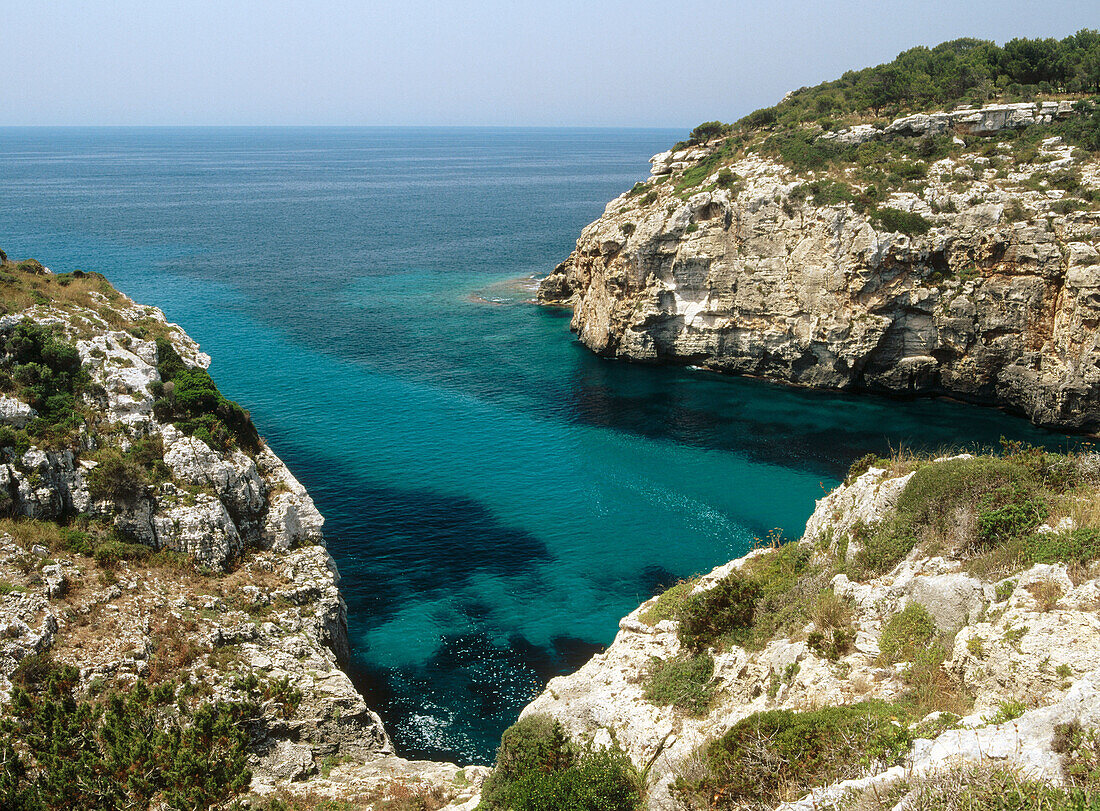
[997, 525]
[538, 769]
[131, 751]
[778, 755]
[938, 494]
[190, 400]
[905, 222]
[683, 682]
[726, 608]
[861, 466]
[45, 372]
[907, 633]
[1078, 546]
[117, 477]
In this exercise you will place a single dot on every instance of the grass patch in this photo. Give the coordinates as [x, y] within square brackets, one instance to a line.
[669, 603]
[683, 683]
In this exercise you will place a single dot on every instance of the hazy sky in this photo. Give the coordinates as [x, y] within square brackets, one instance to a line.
[619, 62]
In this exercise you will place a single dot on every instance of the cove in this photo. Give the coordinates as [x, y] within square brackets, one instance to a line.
[496, 496]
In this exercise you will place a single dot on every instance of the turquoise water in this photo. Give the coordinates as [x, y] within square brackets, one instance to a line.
[496, 496]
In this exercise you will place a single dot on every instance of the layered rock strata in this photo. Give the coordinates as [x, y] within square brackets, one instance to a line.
[997, 302]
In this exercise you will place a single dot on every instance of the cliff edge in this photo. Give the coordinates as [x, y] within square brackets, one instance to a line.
[166, 598]
[950, 252]
[931, 641]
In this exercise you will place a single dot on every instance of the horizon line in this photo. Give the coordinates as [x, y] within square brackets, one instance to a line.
[354, 126]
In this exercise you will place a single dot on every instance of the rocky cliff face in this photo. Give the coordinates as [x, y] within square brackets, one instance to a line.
[138, 545]
[1016, 666]
[748, 267]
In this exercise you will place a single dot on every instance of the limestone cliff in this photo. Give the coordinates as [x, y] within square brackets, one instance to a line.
[949, 253]
[981, 659]
[148, 533]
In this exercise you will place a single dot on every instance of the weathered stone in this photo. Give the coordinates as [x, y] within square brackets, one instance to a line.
[15, 412]
[756, 282]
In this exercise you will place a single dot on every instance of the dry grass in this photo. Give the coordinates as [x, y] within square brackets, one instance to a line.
[984, 787]
[399, 795]
[1046, 594]
[21, 288]
[30, 533]
[830, 612]
[1082, 506]
[999, 562]
[175, 647]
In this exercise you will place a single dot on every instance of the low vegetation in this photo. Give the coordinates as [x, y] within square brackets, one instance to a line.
[539, 769]
[40, 368]
[189, 399]
[683, 682]
[987, 509]
[907, 634]
[981, 787]
[130, 749]
[778, 755]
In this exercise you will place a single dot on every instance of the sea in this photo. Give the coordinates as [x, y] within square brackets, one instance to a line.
[496, 496]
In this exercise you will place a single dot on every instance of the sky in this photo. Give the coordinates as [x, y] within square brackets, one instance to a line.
[488, 63]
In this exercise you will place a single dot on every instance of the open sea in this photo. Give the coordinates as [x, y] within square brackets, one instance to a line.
[496, 496]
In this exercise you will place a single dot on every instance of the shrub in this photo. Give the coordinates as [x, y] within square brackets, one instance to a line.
[1080, 750]
[726, 608]
[194, 405]
[683, 683]
[904, 222]
[669, 603]
[943, 501]
[123, 753]
[1078, 546]
[117, 478]
[538, 769]
[111, 551]
[907, 633]
[829, 193]
[831, 644]
[727, 179]
[46, 373]
[778, 755]
[861, 466]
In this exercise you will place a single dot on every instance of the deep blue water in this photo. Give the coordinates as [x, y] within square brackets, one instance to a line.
[497, 497]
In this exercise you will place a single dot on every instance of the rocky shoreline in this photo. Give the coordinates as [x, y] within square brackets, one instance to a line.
[138, 551]
[949, 605]
[972, 275]
[1017, 636]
